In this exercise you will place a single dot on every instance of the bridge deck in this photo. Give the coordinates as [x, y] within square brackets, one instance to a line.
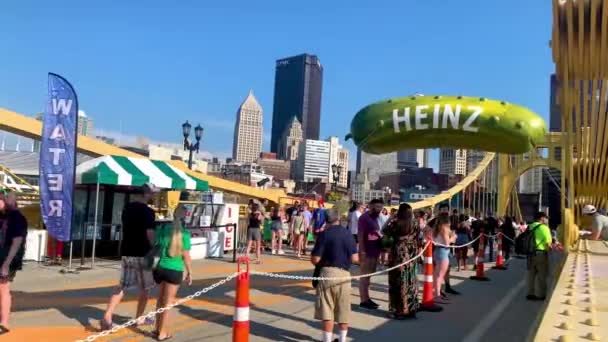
[580, 297]
[52, 307]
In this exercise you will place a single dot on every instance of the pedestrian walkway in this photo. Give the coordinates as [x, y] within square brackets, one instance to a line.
[54, 307]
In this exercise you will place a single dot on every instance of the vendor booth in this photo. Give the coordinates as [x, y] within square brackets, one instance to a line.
[105, 185]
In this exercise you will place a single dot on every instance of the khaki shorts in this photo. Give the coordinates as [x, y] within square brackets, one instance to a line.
[369, 265]
[333, 296]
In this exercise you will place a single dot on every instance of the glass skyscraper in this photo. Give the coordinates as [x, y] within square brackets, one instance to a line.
[297, 92]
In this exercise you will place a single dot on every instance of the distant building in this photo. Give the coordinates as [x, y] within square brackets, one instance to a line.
[474, 157]
[338, 156]
[376, 164]
[250, 174]
[531, 182]
[248, 131]
[453, 161]
[214, 165]
[279, 169]
[289, 144]
[313, 161]
[85, 124]
[297, 92]
[362, 192]
[413, 158]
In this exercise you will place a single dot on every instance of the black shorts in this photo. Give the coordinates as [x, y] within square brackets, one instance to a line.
[356, 236]
[168, 276]
[9, 278]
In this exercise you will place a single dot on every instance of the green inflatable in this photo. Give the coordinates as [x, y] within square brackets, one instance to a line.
[446, 121]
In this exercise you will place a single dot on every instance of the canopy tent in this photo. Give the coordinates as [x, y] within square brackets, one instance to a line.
[130, 171]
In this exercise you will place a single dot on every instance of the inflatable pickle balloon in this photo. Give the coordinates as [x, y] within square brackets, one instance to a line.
[446, 121]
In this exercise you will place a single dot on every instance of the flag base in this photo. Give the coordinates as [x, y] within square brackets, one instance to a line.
[478, 278]
[430, 308]
[501, 267]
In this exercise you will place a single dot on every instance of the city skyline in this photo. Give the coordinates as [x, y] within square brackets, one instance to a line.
[131, 94]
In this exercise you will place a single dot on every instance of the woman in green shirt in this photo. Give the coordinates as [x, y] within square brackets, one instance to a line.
[174, 242]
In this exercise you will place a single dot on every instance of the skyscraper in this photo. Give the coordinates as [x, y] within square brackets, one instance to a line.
[290, 141]
[297, 92]
[413, 158]
[85, 124]
[313, 161]
[453, 161]
[248, 131]
[376, 164]
[474, 157]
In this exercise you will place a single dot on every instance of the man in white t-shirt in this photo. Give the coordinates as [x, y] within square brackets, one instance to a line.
[353, 220]
[599, 223]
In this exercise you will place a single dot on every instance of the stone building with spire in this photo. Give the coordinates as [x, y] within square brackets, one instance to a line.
[248, 131]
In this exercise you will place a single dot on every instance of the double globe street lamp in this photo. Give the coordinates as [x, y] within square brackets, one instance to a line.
[336, 170]
[188, 146]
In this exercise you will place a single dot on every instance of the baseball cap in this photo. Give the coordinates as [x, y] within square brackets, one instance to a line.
[589, 210]
[149, 188]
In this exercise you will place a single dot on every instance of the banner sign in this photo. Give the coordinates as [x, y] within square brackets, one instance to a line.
[58, 157]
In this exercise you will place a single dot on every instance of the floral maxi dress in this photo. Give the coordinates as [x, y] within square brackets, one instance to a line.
[403, 282]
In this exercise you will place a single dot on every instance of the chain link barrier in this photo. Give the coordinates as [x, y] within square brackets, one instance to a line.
[152, 314]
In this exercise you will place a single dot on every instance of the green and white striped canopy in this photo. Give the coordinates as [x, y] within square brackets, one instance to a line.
[128, 171]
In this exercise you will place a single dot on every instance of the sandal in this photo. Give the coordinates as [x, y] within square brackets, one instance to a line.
[105, 325]
[168, 337]
[4, 330]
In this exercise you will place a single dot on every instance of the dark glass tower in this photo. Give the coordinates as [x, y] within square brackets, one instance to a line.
[297, 92]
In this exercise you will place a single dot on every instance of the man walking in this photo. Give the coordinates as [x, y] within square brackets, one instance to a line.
[599, 223]
[334, 251]
[138, 236]
[369, 249]
[538, 263]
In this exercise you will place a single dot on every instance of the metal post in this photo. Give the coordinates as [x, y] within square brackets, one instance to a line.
[234, 244]
[95, 224]
[83, 232]
[190, 157]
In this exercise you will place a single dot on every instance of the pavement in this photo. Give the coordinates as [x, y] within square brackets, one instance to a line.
[50, 306]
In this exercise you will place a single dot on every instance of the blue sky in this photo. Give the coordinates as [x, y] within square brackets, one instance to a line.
[144, 67]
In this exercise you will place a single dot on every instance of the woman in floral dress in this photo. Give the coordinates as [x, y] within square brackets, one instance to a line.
[402, 234]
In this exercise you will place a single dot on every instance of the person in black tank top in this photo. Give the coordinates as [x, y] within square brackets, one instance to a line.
[254, 233]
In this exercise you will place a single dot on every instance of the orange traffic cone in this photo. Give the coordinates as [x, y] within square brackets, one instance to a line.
[240, 324]
[428, 299]
[480, 275]
[500, 262]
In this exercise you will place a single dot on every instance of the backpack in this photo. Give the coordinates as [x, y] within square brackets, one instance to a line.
[525, 243]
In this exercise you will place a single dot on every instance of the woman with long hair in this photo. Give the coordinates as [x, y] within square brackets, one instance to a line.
[174, 242]
[402, 232]
[277, 230]
[463, 236]
[441, 255]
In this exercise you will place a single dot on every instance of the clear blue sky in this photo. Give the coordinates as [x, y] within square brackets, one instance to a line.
[147, 66]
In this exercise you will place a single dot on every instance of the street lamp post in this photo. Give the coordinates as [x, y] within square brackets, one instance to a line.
[336, 171]
[188, 146]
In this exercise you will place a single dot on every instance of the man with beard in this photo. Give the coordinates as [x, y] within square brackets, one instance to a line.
[369, 248]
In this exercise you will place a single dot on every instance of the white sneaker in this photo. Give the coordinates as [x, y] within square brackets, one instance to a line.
[274, 252]
[281, 252]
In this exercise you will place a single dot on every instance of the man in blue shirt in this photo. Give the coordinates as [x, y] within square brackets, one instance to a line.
[335, 251]
[319, 219]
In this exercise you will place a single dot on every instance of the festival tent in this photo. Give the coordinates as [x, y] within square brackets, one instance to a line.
[129, 171]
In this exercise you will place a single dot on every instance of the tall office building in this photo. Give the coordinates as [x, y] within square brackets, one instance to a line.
[248, 131]
[376, 164]
[531, 182]
[474, 157]
[297, 92]
[413, 158]
[453, 161]
[313, 161]
[338, 156]
[289, 144]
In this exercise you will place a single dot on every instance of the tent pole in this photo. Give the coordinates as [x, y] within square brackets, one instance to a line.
[95, 223]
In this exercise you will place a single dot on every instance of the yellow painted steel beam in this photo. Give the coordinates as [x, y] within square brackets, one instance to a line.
[31, 128]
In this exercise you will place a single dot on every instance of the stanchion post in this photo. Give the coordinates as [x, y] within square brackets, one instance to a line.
[480, 275]
[500, 262]
[234, 244]
[428, 298]
[240, 324]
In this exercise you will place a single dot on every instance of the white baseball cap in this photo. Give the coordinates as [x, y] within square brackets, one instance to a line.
[589, 210]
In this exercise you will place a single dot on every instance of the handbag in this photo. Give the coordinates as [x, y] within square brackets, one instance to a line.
[316, 273]
[152, 258]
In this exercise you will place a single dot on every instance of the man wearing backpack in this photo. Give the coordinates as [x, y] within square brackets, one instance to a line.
[538, 257]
